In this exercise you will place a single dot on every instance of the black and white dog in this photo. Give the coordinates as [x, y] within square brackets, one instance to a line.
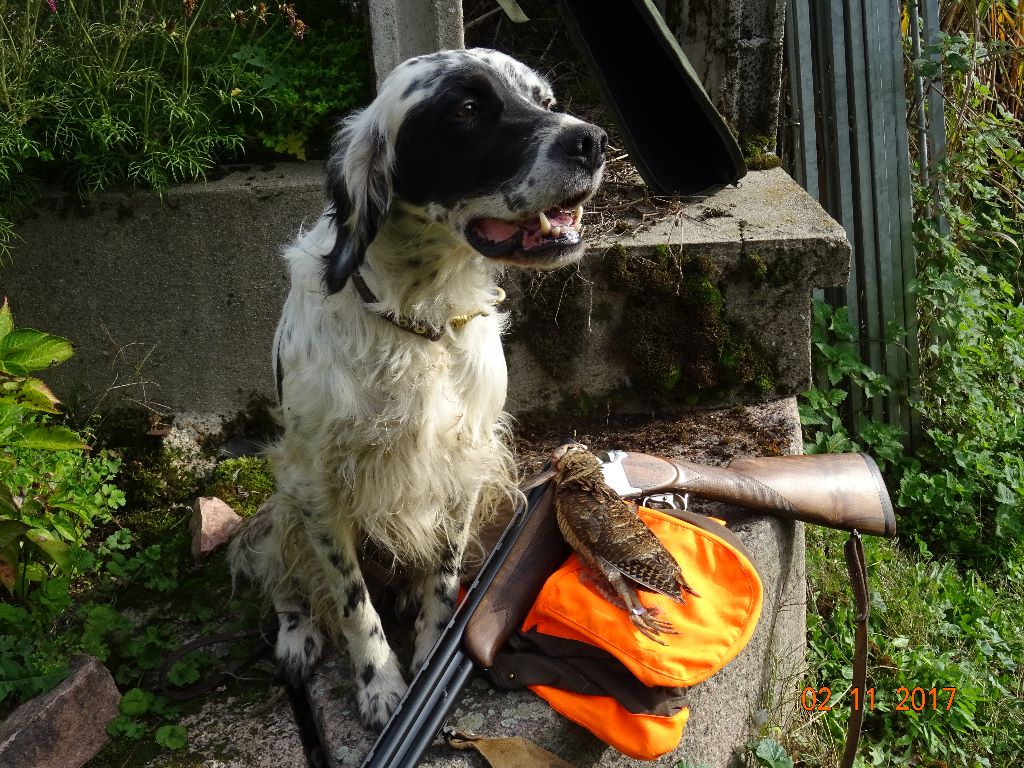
[388, 356]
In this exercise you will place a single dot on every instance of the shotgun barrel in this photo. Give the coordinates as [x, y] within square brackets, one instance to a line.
[498, 599]
[838, 490]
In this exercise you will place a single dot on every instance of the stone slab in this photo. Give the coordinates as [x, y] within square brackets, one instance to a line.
[726, 709]
[174, 303]
[763, 245]
[66, 727]
[248, 728]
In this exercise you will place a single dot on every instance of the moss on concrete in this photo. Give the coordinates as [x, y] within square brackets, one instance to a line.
[753, 268]
[244, 483]
[678, 344]
[786, 268]
[552, 319]
[759, 152]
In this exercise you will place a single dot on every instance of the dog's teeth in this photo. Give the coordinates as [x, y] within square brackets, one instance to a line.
[556, 231]
[577, 216]
[545, 225]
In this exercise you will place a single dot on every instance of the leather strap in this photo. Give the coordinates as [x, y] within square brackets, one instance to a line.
[412, 326]
[512, 752]
[859, 582]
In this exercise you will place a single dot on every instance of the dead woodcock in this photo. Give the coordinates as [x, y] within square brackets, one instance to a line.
[621, 553]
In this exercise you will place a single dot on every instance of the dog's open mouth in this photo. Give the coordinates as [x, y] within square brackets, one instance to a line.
[556, 228]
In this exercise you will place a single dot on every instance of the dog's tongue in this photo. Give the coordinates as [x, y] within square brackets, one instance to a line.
[496, 230]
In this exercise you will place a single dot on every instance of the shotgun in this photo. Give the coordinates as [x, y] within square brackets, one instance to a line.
[530, 550]
[838, 490]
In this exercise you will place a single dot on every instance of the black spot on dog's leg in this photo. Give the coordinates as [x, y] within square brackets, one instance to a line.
[291, 621]
[354, 598]
[337, 561]
[369, 672]
[309, 648]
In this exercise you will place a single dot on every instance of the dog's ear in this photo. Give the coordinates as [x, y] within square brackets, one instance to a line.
[360, 186]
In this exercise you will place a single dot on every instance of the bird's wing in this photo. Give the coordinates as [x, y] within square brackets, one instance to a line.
[652, 573]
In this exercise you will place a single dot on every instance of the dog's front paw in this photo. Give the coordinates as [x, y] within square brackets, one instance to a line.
[378, 691]
[424, 645]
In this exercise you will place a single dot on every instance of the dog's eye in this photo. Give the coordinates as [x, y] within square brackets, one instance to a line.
[467, 110]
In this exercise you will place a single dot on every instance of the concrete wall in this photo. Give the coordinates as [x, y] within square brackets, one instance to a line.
[736, 48]
[174, 302]
[402, 29]
[170, 302]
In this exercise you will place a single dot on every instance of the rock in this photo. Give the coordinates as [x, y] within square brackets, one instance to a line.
[213, 524]
[66, 727]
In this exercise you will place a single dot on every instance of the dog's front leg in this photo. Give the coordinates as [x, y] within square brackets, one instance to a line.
[439, 590]
[375, 668]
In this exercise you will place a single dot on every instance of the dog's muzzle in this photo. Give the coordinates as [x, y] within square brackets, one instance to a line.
[552, 233]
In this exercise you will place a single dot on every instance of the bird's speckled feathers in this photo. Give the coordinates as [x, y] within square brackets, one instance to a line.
[610, 538]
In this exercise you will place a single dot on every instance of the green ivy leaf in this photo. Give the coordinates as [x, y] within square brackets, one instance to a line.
[10, 530]
[52, 549]
[49, 438]
[124, 725]
[7, 506]
[36, 396]
[770, 754]
[34, 350]
[6, 320]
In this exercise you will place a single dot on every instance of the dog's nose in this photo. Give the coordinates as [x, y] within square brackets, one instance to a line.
[586, 143]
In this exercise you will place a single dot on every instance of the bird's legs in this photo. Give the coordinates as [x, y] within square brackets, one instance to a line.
[615, 590]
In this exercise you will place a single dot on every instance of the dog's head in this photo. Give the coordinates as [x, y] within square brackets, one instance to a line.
[468, 137]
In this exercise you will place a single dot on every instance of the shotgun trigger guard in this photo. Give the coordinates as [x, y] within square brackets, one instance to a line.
[666, 501]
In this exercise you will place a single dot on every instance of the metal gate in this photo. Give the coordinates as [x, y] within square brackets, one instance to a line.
[843, 136]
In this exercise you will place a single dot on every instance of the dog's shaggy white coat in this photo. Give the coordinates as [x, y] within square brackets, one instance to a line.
[390, 437]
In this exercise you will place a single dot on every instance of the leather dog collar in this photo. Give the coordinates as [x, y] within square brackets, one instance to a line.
[412, 326]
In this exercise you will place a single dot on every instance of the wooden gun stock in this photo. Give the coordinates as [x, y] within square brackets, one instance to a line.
[840, 490]
[532, 558]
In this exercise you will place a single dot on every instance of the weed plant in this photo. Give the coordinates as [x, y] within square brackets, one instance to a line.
[947, 596]
[95, 93]
[74, 579]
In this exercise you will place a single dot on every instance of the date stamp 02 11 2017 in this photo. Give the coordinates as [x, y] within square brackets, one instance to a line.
[910, 699]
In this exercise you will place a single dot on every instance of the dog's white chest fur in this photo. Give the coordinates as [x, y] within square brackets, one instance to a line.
[408, 430]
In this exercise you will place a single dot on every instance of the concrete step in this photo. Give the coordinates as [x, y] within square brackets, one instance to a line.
[174, 303]
[726, 710]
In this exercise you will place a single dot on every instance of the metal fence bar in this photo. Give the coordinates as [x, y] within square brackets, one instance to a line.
[865, 145]
[901, 361]
[905, 236]
[801, 125]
